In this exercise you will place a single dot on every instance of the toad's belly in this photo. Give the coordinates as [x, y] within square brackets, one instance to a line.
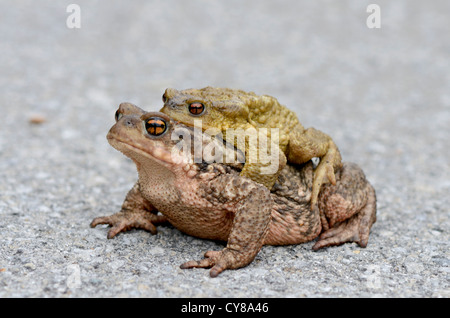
[190, 212]
[208, 223]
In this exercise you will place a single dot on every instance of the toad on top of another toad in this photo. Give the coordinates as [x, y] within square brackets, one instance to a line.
[208, 199]
[224, 108]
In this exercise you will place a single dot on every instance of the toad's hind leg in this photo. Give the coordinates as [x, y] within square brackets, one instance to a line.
[349, 208]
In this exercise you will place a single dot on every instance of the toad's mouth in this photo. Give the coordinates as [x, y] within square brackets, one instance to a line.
[150, 151]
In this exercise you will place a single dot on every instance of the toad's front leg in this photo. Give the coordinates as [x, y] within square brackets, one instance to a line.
[264, 159]
[263, 164]
[251, 205]
[136, 212]
[307, 144]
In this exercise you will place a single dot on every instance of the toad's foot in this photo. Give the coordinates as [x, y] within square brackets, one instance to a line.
[252, 213]
[219, 261]
[356, 229]
[323, 174]
[126, 220]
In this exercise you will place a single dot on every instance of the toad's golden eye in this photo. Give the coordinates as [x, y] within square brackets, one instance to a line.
[155, 126]
[196, 108]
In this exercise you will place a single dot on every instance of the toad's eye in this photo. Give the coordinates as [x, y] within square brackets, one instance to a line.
[155, 126]
[196, 108]
[164, 98]
[118, 115]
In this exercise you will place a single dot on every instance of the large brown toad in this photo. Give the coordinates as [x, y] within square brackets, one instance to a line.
[211, 200]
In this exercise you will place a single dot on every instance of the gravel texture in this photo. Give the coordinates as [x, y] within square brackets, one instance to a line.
[382, 94]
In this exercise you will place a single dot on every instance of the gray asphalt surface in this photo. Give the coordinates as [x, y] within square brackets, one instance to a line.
[382, 94]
